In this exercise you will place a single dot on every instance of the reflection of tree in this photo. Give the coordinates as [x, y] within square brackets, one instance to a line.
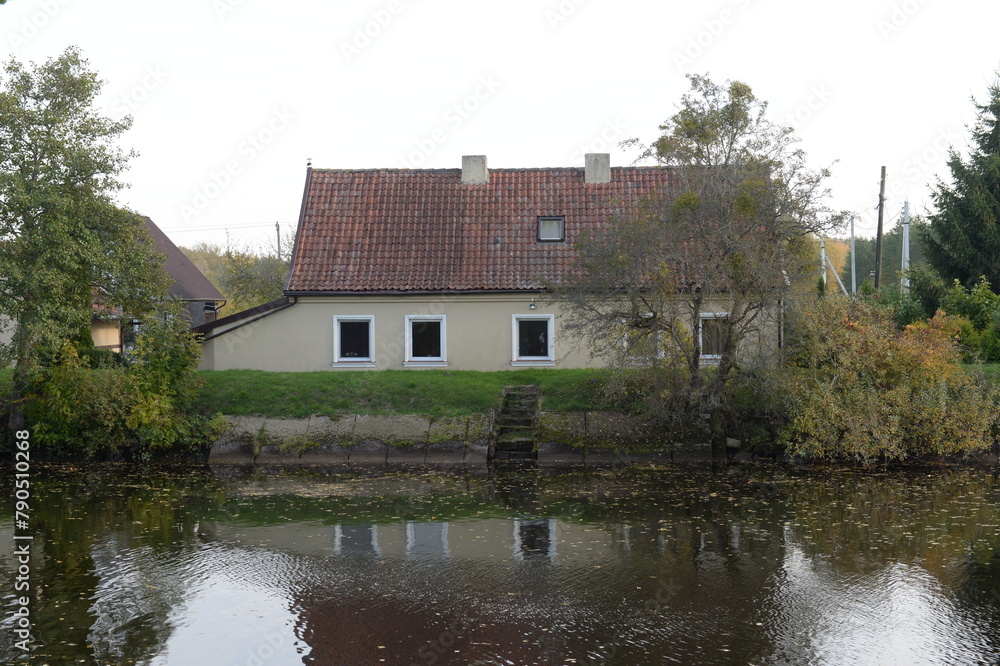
[862, 521]
[89, 527]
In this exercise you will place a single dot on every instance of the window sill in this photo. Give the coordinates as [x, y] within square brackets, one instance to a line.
[540, 363]
[353, 364]
[425, 364]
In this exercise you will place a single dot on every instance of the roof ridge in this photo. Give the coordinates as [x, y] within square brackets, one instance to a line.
[491, 169]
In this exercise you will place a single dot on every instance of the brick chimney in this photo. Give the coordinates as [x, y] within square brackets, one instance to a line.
[597, 167]
[474, 171]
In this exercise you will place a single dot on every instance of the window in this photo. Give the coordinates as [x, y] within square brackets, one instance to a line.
[425, 340]
[532, 336]
[713, 329]
[353, 340]
[551, 228]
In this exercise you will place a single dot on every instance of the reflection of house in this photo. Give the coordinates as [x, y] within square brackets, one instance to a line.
[535, 539]
[356, 540]
[430, 268]
[200, 297]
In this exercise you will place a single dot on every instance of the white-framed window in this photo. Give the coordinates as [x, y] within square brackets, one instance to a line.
[426, 341]
[642, 344]
[551, 228]
[712, 331]
[354, 341]
[533, 342]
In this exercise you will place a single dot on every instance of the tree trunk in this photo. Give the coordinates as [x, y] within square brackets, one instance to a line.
[16, 421]
[19, 390]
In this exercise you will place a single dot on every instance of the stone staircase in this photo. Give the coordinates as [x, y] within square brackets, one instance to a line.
[515, 424]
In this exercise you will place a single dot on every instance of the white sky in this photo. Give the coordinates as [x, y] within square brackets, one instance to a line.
[231, 97]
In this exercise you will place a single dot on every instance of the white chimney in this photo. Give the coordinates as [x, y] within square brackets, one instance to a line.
[474, 170]
[597, 167]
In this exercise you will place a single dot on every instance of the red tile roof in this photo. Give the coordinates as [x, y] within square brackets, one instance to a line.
[401, 230]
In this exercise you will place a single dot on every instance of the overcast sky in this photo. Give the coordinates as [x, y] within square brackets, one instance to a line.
[231, 97]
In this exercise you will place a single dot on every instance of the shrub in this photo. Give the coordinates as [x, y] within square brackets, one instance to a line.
[867, 390]
[85, 405]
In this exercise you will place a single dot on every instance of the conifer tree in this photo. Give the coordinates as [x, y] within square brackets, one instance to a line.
[963, 239]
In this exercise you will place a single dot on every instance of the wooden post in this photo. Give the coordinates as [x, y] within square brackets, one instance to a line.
[878, 236]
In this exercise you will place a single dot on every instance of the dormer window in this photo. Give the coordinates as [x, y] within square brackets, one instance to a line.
[551, 228]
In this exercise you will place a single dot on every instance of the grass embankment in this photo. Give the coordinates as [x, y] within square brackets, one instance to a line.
[430, 392]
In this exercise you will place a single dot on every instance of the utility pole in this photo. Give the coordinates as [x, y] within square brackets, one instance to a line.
[822, 260]
[905, 264]
[277, 230]
[854, 279]
[878, 236]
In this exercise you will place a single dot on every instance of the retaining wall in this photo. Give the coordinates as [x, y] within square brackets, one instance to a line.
[562, 438]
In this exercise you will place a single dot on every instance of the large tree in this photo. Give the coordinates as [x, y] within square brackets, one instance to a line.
[64, 244]
[720, 241]
[963, 239]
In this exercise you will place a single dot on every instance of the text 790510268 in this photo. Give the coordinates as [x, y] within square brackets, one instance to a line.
[22, 540]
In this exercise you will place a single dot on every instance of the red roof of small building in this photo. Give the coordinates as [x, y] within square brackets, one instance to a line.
[423, 230]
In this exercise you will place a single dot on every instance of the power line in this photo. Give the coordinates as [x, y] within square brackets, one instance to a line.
[220, 228]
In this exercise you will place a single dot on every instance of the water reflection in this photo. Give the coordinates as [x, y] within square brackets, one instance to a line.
[688, 564]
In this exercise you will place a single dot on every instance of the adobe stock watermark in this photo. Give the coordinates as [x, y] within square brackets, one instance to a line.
[248, 150]
[609, 136]
[917, 166]
[364, 35]
[452, 119]
[819, 96]
[265, 649]
[899, 15]
[153, 77]
[31, 26]
[562, 12]
[223, 8]
[707, 35]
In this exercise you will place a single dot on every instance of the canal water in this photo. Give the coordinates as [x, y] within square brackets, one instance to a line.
[686, 564]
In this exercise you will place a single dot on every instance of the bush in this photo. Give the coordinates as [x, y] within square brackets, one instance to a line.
[85, 405]
[867, 390]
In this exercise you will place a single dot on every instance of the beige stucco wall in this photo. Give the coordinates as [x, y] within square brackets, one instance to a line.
[479, 333]
[6, 330]
[106, 334]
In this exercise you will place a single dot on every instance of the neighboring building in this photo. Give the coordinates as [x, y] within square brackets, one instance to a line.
[200, 297]
[430, 268]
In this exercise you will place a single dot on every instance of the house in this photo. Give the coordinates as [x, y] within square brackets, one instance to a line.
[200, 297]
[430, 268]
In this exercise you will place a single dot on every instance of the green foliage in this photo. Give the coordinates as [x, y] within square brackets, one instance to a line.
[963, 240]
[126, 409]
[249, 280]
[721, 239]
[923, 298]
[867, 390]
[978, 304]
[892, 254]
[64, 244]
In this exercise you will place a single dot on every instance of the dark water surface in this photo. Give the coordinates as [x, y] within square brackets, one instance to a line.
[688, 564]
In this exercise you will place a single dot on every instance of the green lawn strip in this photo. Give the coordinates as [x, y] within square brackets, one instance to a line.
[433, 393]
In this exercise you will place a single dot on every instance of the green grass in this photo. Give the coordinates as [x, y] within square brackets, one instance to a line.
[992, 372]
[431, 392]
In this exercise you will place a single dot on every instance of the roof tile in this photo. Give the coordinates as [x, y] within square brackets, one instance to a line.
[399, 230]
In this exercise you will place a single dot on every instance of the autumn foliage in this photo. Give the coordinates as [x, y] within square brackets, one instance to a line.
[867, 390]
